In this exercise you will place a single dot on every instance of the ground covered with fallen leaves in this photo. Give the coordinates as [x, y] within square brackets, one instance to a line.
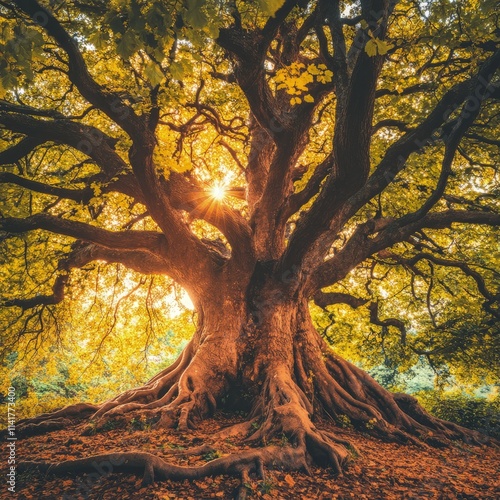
[380, 470]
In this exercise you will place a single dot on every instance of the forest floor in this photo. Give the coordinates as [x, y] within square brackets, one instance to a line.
[380, 471]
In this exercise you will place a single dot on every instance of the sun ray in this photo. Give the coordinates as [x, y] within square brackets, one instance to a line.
[218, 192]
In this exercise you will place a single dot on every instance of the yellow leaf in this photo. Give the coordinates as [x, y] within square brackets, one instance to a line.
[313, 69]
[308, 98]
[371, 48]
[383, 47]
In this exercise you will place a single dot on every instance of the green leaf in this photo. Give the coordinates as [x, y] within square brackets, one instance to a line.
[270, 7]
[195, 17]
[127, 45]
[99, 39]
[176, 70]
[115, 20]
[153, 73]
[9, 80]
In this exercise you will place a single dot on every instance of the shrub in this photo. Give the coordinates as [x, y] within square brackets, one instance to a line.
[474, 413]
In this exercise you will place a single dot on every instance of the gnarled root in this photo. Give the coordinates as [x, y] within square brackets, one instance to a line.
[352, 392]
[350, 396]
[282, 414]
[176, 397]
[155, 468]
[281, 421]
[152, 395]
[59, 419]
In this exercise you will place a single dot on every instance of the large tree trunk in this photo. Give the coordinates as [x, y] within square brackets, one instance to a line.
[258, 351]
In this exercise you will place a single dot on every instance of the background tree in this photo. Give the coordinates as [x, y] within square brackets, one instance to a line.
[261, 155]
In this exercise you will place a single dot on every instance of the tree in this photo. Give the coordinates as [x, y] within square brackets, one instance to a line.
[260, 154]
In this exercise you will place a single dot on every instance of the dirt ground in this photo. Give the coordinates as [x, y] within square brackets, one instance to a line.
[380, 470]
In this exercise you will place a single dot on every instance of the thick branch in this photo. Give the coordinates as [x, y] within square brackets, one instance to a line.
[452, 140]
[395, 158]
[200, 203]
[83, 253]
[28, 110]
[360, 246]
[158, 196]
[23, 148]
[78, 195]
[247, 48]
[389, 122]
[85, 138]
[339, 200]
[55, 297]
[146, 240]
[300, 198]
[323, 299]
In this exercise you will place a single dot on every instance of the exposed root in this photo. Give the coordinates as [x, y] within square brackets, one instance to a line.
[395, 416]
[155, 468]
[347, 393]
[153, 394]
[283, 412]
[47, 422]
[175, 397]
[291, 389]
[279, 415]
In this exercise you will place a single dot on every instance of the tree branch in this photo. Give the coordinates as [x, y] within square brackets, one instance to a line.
[23, 148]
[323, 299]
[82, 254]
[78, 195]
[352, 136]
[339, 200]
[85, 138]
[464, 267]
[360, 245]
[311, 189]
[389, 122]
[199, 203]
[331, 11]
[374, 318]
[99, 147]
[55, 297]
[127, 240]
